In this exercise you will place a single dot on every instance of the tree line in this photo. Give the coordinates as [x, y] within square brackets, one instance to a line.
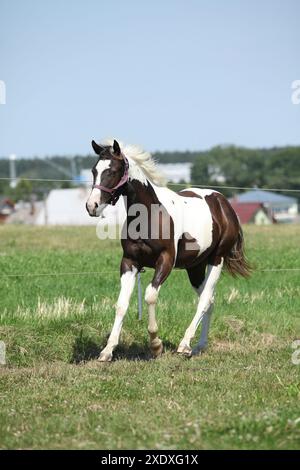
[277, 167]
[229, 165]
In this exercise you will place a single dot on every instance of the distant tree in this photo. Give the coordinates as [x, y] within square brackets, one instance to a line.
[66, 185]
[22, 191]
[243, 167]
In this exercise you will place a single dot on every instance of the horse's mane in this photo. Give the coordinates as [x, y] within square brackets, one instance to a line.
[142, 165]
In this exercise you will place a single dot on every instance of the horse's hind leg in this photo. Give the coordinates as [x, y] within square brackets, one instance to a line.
[204, 309]
[197, 278]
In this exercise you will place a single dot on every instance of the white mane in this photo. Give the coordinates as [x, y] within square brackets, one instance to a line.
[142, 166]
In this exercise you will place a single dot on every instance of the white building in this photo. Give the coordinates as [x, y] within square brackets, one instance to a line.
[176, 172]
[67, 207]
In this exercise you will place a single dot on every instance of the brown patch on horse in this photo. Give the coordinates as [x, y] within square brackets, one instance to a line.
[227, 240]
[197, 274]
[230, 245]
[187, 251]
[187, 193]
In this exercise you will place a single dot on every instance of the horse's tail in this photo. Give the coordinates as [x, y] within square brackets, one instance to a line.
[235, 261]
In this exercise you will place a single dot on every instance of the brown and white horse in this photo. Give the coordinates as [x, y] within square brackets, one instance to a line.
[195, 229]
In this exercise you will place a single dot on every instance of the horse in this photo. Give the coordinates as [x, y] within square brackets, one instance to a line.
[196, 230]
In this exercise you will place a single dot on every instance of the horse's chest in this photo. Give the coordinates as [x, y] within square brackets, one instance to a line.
[141, 252]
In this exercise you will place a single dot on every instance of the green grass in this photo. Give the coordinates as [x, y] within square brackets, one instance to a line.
[243, 393]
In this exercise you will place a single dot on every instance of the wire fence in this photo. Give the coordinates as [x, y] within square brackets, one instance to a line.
[114, 271]
[187, 185]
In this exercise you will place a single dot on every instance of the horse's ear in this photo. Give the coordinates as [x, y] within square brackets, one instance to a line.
[97, 148]
[116, 147]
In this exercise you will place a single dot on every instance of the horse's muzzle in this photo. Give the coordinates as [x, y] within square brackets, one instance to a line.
[92, 209]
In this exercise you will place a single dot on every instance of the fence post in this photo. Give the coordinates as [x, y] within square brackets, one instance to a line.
[140, 304]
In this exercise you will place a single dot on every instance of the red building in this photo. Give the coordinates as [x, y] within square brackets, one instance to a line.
[7, 207]
[252, 213]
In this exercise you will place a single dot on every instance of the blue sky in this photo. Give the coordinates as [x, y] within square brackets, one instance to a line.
[165, 74]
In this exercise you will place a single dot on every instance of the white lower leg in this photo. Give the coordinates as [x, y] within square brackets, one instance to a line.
[151, 299]
[204, 306]
[203, 340]
[127, 286]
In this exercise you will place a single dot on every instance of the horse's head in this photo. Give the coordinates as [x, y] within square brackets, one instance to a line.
[110, 174]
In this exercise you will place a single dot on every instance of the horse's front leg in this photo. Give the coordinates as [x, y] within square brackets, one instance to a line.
[128, 276]
[163, 268]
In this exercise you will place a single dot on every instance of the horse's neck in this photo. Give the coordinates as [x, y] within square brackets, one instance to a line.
[139, 193]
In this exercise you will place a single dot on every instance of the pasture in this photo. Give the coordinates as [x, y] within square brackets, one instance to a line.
[243, 393]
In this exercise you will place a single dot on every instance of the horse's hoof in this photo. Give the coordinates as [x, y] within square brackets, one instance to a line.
[105, 357]
[185, 350]
[157, 349]
[198, 350]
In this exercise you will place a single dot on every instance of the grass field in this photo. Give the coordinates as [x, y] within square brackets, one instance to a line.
[243, 393]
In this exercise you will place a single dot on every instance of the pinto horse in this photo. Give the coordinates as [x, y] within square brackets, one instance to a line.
[196, 229]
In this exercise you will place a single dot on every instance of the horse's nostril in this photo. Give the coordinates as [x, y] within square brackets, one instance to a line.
[96, 205]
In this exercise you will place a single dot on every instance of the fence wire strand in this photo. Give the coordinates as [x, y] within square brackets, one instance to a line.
[187, 185]
[113, 271]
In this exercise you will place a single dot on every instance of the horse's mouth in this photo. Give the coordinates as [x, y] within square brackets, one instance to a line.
[98, 212]
[95, 214]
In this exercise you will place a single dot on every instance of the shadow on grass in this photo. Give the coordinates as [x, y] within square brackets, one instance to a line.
[138, 351]
[86, 349]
